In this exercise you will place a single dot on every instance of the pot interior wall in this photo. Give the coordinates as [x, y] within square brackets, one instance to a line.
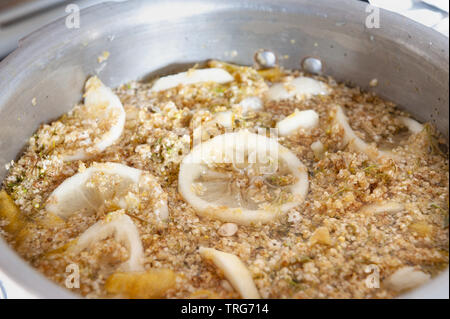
[147, 38]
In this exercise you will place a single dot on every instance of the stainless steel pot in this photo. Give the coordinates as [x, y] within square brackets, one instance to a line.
[148, 37]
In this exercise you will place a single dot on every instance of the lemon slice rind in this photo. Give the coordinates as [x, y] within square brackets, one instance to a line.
[191, 77]
[306, 120]
[234, 270]
[74, 194]
[212, 151]
[97, 95]
[301, 87]
[357, 144]
[123, 229]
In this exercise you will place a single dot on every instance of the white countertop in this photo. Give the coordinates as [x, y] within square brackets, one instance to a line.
[432, 13]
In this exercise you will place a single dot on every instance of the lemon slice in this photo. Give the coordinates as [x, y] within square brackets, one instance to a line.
[97, 124]
[306, 120]
[234, 270]
[191, 77]
[242, 177]
[106, 185]
[224, 119]
[123, 229]
[359, 145]
[252, 103]
[300, 87]
[413, 126]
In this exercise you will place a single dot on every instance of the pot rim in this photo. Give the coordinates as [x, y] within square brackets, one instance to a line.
[12, 70]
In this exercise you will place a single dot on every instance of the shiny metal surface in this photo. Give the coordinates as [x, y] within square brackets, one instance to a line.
[312, 65]
[146, 38]
[265, 59]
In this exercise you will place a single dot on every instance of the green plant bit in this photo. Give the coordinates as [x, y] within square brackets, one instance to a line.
[370, 167]
[340, 191]
[438, 207]
[294, 283]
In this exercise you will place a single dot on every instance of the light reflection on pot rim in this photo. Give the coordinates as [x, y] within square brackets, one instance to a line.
[3, 294]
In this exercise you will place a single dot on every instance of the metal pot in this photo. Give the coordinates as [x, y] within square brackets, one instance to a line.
[149, 37]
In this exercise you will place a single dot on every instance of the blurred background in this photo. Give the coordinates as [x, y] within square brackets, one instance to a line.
[21, 17]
